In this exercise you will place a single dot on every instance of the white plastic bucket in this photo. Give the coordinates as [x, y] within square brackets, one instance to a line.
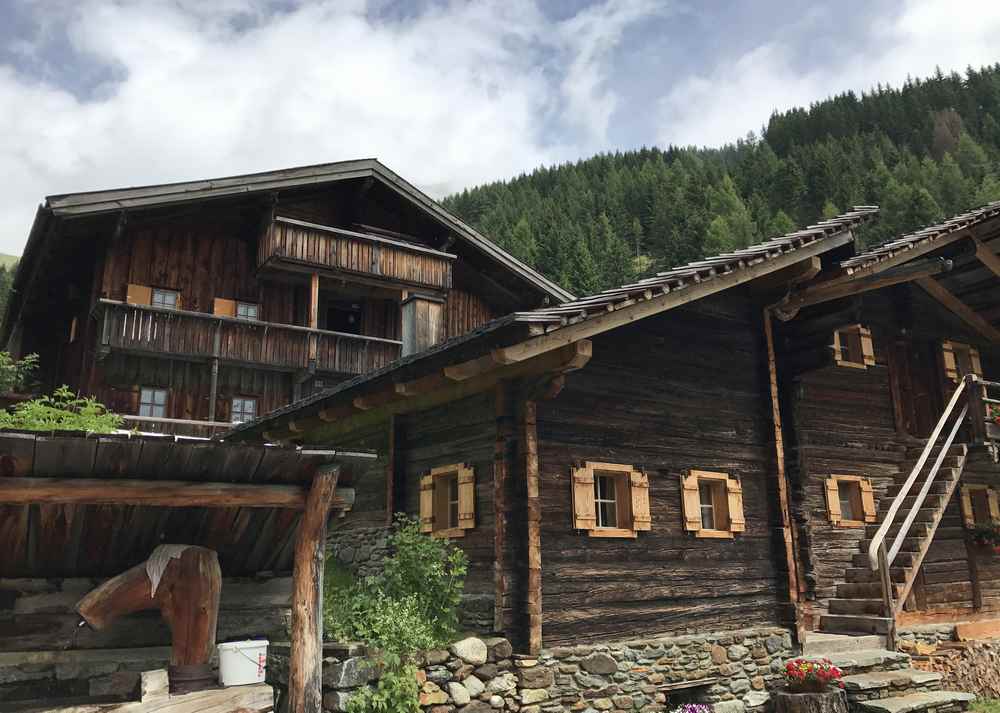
[242, 662]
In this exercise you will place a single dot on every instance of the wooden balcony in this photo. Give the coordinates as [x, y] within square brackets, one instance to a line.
[294, 243]
[198, 336]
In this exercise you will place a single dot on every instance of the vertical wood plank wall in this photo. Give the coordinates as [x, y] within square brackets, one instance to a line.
[687, 389]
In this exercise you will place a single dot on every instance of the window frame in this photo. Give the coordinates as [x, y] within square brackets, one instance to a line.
[256, 311]
[153, 390]
[244, 400]
[726, 493]
[853, 347]
[160, 291]
[631, 499]
[959, 359]
[437, 501]
[860, 505]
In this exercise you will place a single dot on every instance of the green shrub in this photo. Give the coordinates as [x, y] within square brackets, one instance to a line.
[16, 375]
[410, 606]
[62, 411]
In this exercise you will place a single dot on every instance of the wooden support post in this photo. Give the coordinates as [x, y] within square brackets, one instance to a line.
[313, 319]
[305, 668]
[529, 442]
[390, 473]
[887, 604]
[787, 528]
[977, 411]
[501, 472]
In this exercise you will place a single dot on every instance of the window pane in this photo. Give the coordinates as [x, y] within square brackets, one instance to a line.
[160, 397]
[705, 495]
[604, 500]
[845, 491]
[145, 410]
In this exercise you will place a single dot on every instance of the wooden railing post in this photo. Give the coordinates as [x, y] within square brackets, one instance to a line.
[885, 577]
[977, 409]
[305, 669]
[213, 391]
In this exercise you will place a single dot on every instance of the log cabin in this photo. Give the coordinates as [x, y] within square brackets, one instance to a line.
[189, 306]
[796, 434]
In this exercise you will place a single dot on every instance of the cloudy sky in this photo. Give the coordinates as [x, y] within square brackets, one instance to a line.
[105, 93]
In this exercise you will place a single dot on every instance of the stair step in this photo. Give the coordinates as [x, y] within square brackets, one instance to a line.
[918, 702]
[819, 644]
[918, 529]
[931, 502]
[900, 679]
[864, 574]
[903, 559]
[865, 660]
[925, 514]
[855, 606]
[957, 449]
[909, 544]
[938, 487]
[950, 467]
[851, 623]
[865, 590]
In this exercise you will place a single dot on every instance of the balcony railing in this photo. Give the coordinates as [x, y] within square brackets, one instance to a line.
[297, 242]
[284, 347]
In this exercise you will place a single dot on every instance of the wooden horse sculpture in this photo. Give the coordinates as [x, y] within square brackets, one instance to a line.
[184, 583]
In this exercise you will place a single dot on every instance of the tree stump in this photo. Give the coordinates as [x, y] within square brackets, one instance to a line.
[831, 701]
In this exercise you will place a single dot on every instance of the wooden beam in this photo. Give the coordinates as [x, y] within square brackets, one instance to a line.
[314, 300]
[824, 292]
[962, 310]
[802, 271]
[501, 471]
[475, 367]
[529, 442]
[986, 256]
[567, 358]
[153, 493]
[609, 320]
[904, 256]
[305, 666]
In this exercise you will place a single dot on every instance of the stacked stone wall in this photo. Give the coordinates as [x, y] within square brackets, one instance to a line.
[734, 671]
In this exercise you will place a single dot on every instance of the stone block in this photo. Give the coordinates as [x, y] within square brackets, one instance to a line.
[473, 685]
[498, 648]
[599, 663]
[538, 677]
[349, 673]
[336, 700]
[737, 652]
[477, 707]
[437, 656]
[471, 650]
[534, 695]
[460, 695]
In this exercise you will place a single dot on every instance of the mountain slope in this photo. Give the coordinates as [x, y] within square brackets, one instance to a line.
[923, 151]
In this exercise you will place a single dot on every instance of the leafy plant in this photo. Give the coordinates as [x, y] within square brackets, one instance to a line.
[993, 414]
[16, 374]
[397, 691]
[804, 675]
[986, 535]
[410, 606]
[61, 411]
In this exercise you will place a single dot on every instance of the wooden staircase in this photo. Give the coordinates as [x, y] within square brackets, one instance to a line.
[859, 607]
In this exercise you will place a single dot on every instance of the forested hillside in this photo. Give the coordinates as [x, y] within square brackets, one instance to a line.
[922, 152]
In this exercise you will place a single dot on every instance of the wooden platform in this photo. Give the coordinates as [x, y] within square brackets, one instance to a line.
[254, 698]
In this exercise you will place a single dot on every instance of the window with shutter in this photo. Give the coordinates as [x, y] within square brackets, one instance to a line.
[224, 308]
[448, 501]
[712, 504]
[959, 360]
[980, 506]
[610, 500]
[853, 347]
[850, 500]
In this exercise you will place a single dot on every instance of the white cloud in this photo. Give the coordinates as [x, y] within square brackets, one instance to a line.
[448, 97]
[735, 96]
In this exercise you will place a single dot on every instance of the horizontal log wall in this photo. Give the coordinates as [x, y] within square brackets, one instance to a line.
[461, 432]
[685, 390]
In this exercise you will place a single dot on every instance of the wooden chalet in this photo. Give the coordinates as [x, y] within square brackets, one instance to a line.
[190, 306]
[794, 434]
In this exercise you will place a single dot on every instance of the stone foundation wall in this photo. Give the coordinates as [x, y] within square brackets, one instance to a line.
[733, 670]
[925, 634]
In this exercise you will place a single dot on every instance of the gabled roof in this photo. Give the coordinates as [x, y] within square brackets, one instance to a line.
[923, 238]
[524, 335]
[91, 202]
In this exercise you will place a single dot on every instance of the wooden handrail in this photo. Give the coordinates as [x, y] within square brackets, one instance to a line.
[879, 538]
[251, 322]
[176, 421]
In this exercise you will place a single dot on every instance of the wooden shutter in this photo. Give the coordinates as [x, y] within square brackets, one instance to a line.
[977, 365]
[968, 514]
[867, 347]
[948, 360]
[427, 503]
[179, 303]
[994, 505]
[224, 308]
[639, 486]
[584, 508]
[691, 502]
[868, 500]
[466, 498]
[139, 295]
[838, 348]
[833, 501]
[735, 491]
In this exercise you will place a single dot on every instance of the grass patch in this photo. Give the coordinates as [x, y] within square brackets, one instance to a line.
[987, 705]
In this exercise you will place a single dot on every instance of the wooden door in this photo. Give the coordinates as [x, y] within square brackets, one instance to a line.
[916, 386]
